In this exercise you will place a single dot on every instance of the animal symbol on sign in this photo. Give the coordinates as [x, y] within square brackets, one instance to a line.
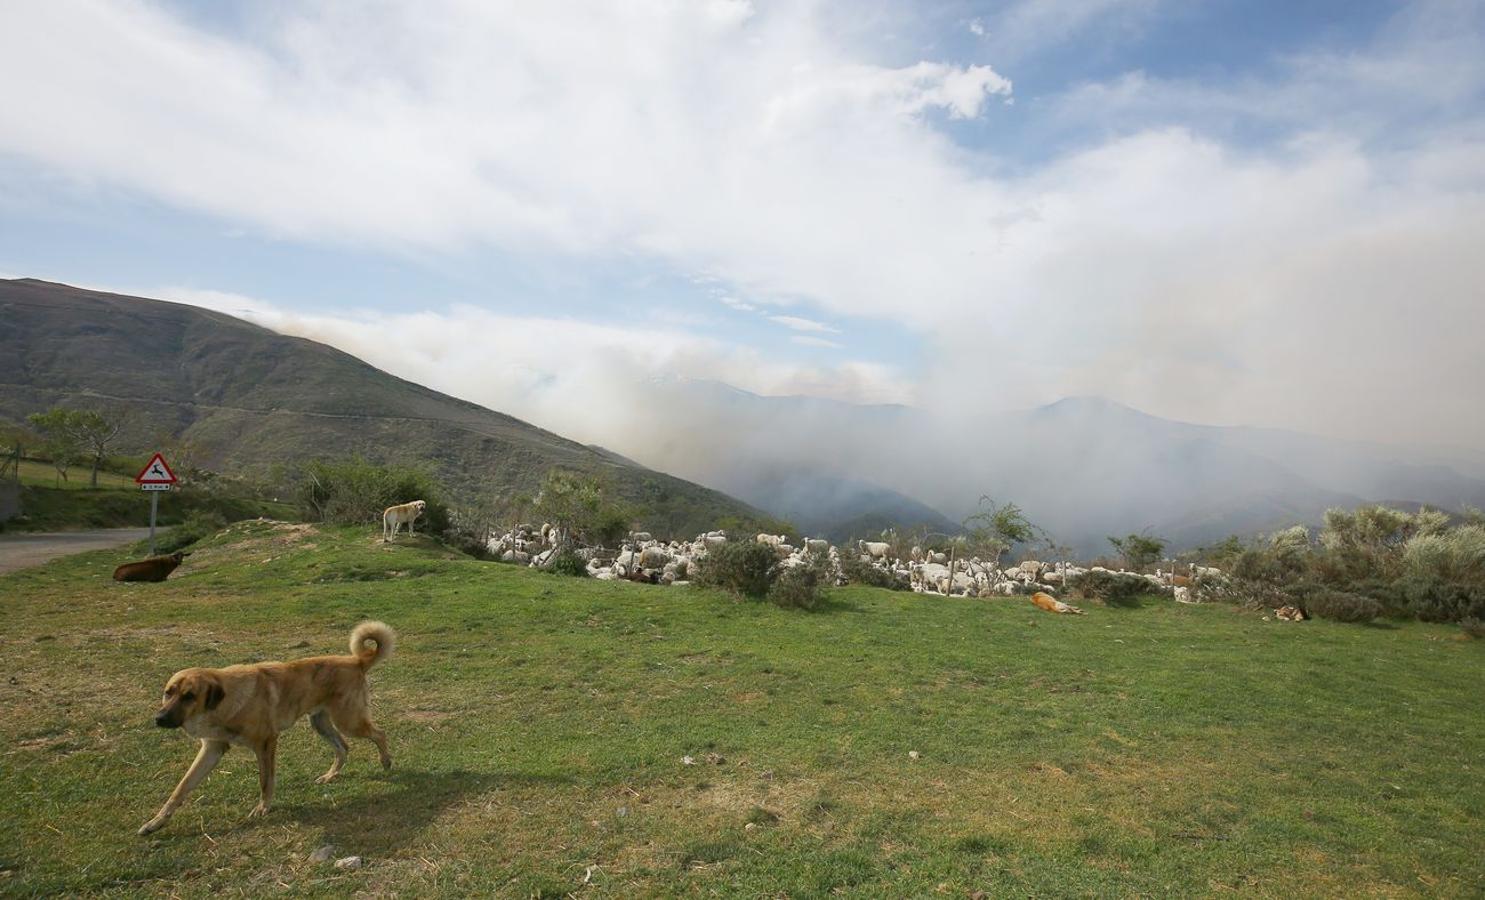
[156, 470]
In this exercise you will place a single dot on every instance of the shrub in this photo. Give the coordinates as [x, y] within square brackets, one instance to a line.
[197, 525]
[1387, 593]
[354, 492]
[567, 562]
[798, 587]
[1340, 606]
[1369, 542]
[1475, 628]
[858, 572]
[580, 506]
[1113, 588]
[1433, 599]
[1275, 575]
[1457, 555]
[745, 568]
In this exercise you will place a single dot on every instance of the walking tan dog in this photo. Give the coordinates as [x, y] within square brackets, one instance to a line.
[251, 704]
[394, 517]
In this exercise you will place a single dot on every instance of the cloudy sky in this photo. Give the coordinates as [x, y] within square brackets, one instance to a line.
[1265, 213]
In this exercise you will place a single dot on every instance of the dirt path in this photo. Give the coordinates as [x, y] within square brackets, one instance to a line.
[18, 551]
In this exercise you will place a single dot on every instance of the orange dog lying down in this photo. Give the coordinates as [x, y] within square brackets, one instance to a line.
[1053, 605]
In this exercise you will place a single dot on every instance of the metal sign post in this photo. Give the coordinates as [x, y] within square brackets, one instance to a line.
[154, 509]
[155, 477]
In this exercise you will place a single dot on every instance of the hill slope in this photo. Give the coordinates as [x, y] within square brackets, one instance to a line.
[251, 398]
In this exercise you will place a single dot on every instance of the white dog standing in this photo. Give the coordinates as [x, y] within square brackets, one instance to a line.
[394, 517]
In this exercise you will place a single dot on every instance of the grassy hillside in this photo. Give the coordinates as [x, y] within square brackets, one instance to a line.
[539, 723]
[117, 502]
[249, 398]
[49, 509]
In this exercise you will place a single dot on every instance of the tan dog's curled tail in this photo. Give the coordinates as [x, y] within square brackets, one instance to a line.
[378, 632]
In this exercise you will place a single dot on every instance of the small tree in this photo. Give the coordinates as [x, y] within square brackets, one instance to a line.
[183, 453]
[76, 432]
[57, 441]
[13, 441]
[997, 528]
[576, 503]
[1059, 552]
[1138, 550]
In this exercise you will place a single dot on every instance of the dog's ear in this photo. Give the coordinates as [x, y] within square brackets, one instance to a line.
[214, 695]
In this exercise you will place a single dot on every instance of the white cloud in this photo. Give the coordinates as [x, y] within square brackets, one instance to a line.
[739, 305]
[808, 341]
[797, 323]
[1296, 282]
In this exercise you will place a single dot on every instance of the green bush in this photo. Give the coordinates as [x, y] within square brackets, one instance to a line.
[1369, 541]
[798, 587]
[1433, 599]
[1341, 606]
[567, 562]
[1457, 555]
[743, 567]
[1113, 588]
[198, 525]
[1138, 551]
[355, 492]
[859, 572]
[1475, 628]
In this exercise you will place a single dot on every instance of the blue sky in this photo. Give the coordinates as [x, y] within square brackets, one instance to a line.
[963, 205]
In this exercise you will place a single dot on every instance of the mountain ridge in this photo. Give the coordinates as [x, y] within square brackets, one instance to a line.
[252, 398]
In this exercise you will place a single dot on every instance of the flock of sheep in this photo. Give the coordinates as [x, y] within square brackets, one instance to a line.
[644, 559]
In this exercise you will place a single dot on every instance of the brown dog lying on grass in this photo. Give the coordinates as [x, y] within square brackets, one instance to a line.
[251, 704]
[156, 568]
[1053, 605]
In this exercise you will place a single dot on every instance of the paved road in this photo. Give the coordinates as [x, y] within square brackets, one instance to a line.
[17, 551]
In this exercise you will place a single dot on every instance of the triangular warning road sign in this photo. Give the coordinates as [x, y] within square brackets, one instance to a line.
[156, 471]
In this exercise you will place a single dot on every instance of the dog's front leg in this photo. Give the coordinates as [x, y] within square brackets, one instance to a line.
[267, 751]
[206, 760]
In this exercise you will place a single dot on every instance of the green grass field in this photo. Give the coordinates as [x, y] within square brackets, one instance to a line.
[79, 477]
[117, 502]
[539, 723]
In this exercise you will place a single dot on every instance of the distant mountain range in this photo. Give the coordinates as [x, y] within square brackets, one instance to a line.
[250, 398]
[1084, 467]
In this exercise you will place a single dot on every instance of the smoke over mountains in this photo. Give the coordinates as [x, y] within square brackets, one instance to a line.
[1082, 467]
